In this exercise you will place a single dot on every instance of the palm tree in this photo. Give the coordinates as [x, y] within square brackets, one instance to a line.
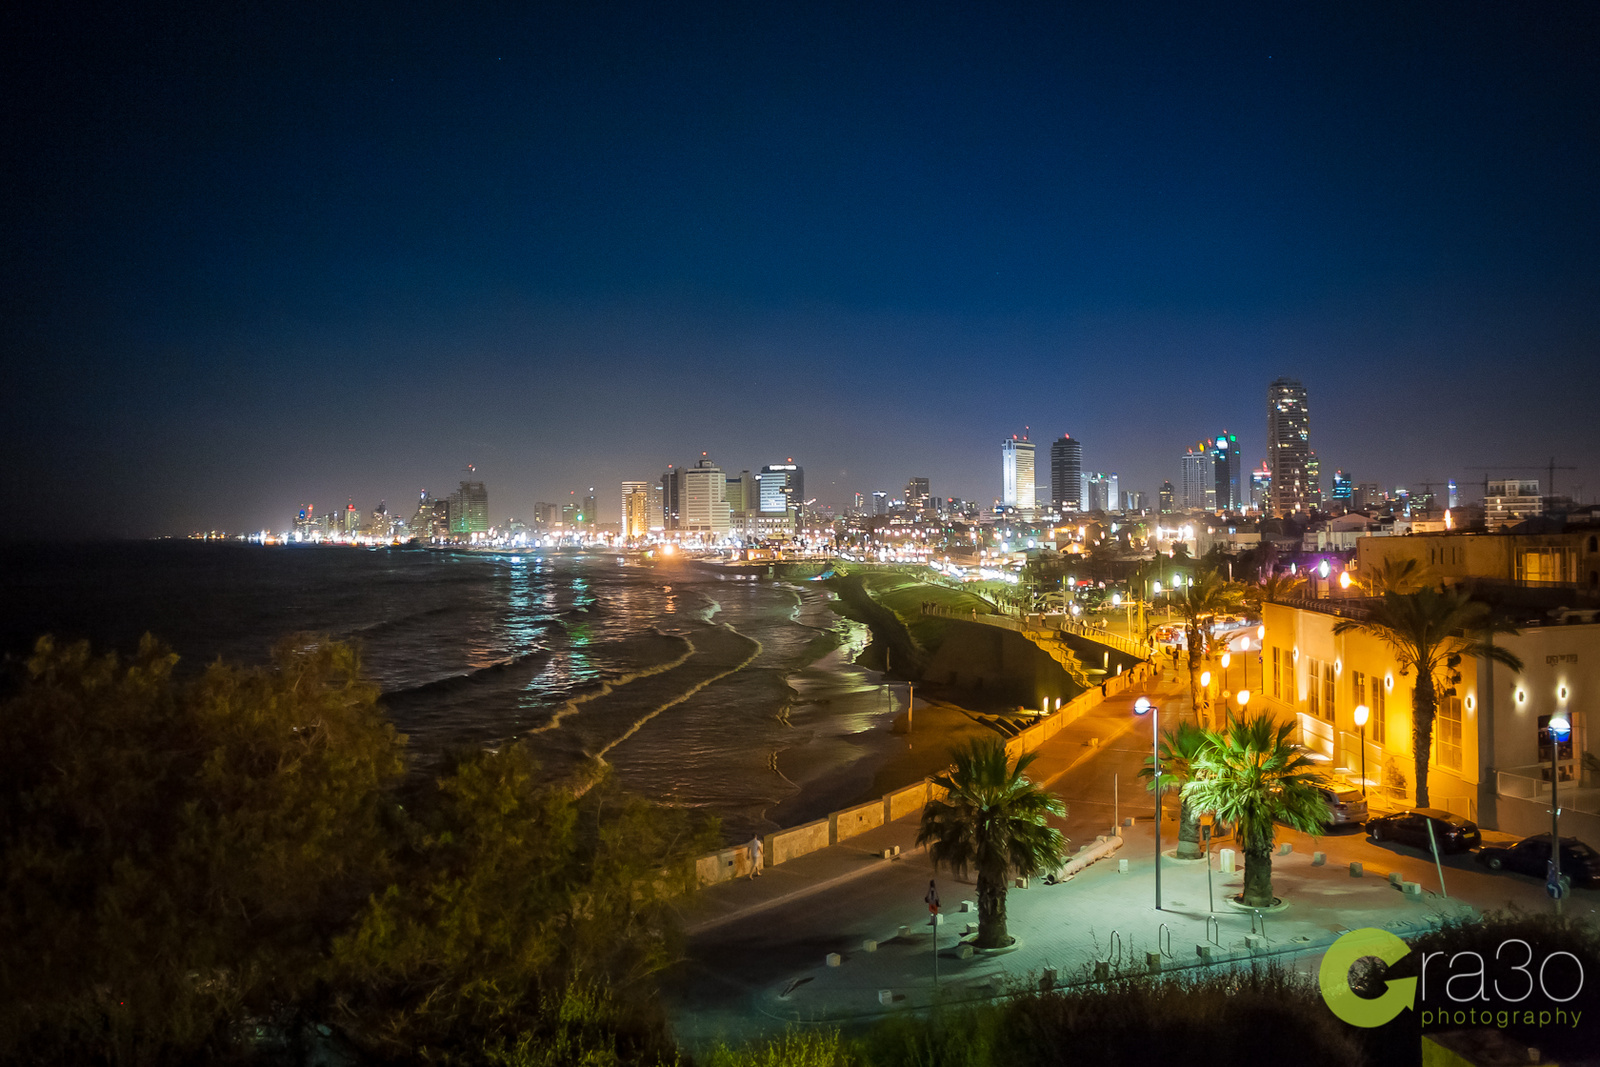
[1274, 589]
[1392, 575]
[1210, 595]
[992, 819]
[1180, 757]
[1253, 777]
[1429, 631]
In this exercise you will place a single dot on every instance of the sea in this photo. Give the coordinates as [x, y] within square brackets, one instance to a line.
[729, 693]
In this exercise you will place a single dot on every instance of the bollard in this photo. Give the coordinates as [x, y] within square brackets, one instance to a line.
[1254, 941]
[834, 959]
[964, 952]
[887, 854]
[885, 996]
[1204, 951]
[1395, 878]
[1128, 821]
[1122, 866]
[905, 930]
[1285, 848]
[1225, 859]
[1102, 970]
[1022, 883]
[1318, 859]
[869, 945]
[1152, 960]
[968, 905]
[897, 850]
[1411, 889]
[1356, 870]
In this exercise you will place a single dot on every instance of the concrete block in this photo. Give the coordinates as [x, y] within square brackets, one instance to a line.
[1411, 889]
[1102, 970]
[964, 952]
[969, 905]
[834, 959]
[1047, 978]
[1254, 941]
[936, 920]
[1094, 742]
[1395, 878]
[1356, 870]
[1285, 848]
[1152, 960]
[1022, 883]
[887, 853]
[1128, 821]
[897, 850]
[1122, 866]
[905, 931]
[1225, 860]
[1318, 859]
[869, 945]
[885, 996]
[1205, 952]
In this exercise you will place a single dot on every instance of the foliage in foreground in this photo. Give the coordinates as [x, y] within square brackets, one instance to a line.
[192, 871]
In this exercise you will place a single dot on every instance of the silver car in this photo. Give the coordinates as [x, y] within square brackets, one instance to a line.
[1345, 806]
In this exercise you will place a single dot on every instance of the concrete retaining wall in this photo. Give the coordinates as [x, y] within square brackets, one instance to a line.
[783, 845]
[857, 820]
[787, 844]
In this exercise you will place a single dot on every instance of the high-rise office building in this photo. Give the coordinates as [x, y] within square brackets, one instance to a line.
[1454, 497]
[469, 509]
[1164, 499]
[635, 510]
[917, 494]
[880, 502]
[1016, 474]
[1288, 447]
[783, 487]
[1341, 487]
[544, 514]
[672, 498]
[1100, 492]
[1228, 494]
[1313, 481]
[1066, 473]
[1261, 487]
[703, 506]
[1197, 482]
[591, 510]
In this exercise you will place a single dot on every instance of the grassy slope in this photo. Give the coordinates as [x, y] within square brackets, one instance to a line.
[903, 594]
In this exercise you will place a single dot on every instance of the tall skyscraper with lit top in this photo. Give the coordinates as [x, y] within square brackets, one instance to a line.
[1016, 474]
[1288, 447]
[1066, 473]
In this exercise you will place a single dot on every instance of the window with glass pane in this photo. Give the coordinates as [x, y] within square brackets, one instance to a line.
[1447, 733]
[1380, 719]
[1277, 674]
[1358, 688]
[1313, 689]
[1327, 691]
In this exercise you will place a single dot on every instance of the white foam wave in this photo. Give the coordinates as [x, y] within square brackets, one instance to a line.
[611, 685]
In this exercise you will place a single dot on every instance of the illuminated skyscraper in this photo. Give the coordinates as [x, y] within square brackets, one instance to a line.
[1341, 487]
[1016, 474]
[1197, 484]
[1228, 493]
[1288, 447]
[703, 508]
[635, 509]
[469, 509]
[1261, 487]
[1066, 473]
[917, 493]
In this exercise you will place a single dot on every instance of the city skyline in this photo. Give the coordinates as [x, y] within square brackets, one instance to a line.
[316, 256]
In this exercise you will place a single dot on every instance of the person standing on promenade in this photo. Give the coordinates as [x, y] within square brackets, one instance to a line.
[755, 856]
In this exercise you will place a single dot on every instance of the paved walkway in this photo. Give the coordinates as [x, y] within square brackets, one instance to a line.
[758, 949]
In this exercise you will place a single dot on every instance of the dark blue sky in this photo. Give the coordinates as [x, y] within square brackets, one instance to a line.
[289, 253]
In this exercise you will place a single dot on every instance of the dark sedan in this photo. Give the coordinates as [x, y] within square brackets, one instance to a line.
[1531, 855]
[1451, 831]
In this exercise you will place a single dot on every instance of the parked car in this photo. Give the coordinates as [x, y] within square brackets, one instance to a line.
[1531, 855]
[1451, 831]
[1346, 806]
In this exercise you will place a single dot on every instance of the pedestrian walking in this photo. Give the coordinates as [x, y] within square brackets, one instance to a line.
[755, 856]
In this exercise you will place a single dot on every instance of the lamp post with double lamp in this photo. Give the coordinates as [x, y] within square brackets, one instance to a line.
[1361, 714]
[1560, 728]
[1142, 706]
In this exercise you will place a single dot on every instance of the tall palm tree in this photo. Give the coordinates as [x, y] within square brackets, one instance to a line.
[1274, 589]
[1253, 777]
[1393, 575]
[1181, 749]
[1426, 630]
[1210, 595]
[992, 820]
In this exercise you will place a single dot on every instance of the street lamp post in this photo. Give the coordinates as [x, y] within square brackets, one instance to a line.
[1560, 728]
[1243, 698]
[1140, 707]
[1361, 724]
[1205, 688]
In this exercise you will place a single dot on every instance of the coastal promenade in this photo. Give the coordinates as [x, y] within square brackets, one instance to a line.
[758, 954]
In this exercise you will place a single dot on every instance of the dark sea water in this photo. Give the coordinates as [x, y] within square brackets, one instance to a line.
[689, 683]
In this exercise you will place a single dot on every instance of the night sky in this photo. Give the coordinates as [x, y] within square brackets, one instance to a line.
[258, 255]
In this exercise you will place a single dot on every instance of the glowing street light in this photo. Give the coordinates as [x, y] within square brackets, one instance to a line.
[1142, 706]
[1560, 728]
[1361, 724]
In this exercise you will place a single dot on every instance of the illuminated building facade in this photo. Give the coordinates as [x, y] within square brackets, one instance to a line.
[1288, 447]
